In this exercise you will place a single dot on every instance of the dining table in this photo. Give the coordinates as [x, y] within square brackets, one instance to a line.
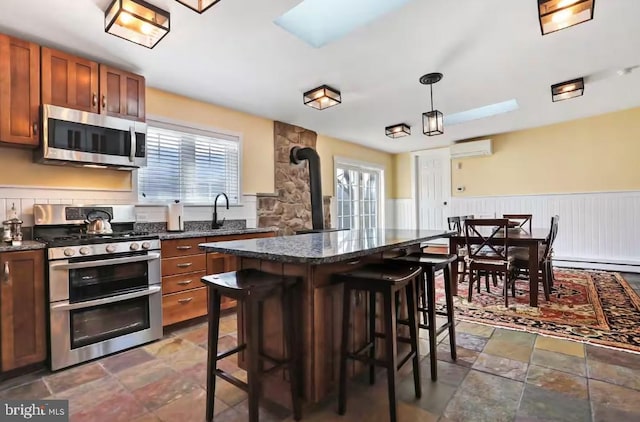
[520, 237]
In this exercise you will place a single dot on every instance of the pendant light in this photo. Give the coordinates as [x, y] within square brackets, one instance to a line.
[199, 6]
[432, 121]
[560, 14]
[398, 131]
[136, 21]
[322, 97]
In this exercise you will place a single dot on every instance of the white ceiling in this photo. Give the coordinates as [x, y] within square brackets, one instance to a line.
[489, 51]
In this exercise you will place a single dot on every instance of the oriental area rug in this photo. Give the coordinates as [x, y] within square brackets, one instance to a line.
[588, 306]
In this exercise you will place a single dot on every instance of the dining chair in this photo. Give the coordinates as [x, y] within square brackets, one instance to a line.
[455, 224]
[521, 220]
[545, 256]
[488, 253]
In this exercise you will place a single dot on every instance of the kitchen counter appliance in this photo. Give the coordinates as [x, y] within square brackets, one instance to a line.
[104, 290]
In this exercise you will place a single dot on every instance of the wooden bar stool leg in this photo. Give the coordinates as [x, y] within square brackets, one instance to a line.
[253, 358]
[391, 349]
[346, 314]
[372, 336]
[450, 311]
[412, 309]
[431, 297]
[422, 291]
[212, 347]
[289, 322]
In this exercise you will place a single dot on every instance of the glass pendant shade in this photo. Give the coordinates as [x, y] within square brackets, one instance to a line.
[432, 123]
[322, 97]
[199, 6]
[398, 131]
[560, 14]
[567, 90]
[137, 21]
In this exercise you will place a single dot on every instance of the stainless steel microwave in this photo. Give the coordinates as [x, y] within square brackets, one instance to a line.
[79, 138]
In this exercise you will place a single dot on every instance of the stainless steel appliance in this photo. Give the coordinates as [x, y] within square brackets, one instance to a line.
[80, 138]
[104, 291]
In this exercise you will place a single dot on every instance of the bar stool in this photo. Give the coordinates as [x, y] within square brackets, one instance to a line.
[251, 288]
[430, 263]
[386, 280]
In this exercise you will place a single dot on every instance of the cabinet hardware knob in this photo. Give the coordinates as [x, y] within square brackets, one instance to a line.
[185, 282]
[187, 300]
[185, 265]
[183, 248]
[94, 100]
[35, 129]
[104, 101]
[6, 274]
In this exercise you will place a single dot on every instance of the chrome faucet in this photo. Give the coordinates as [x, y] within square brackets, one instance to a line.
[214, 222]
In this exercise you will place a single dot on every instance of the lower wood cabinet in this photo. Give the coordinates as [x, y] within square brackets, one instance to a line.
[22, 309]
[177, 307]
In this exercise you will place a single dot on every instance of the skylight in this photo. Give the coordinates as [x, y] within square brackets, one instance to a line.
[481, 112]
[319, 22]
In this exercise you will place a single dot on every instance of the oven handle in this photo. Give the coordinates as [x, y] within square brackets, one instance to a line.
[103, 262]
[66, 306]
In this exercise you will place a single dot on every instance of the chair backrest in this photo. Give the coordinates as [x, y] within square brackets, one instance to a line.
[551, 237]
[454, 224]
[488, 240]
[522, 220]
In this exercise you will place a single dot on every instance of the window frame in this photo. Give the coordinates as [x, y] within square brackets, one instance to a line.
[194, 129]
[339, 161]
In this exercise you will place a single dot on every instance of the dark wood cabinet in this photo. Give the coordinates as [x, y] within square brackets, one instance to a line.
[122, 94]
[19, 92]
[22, 312]
[221, 263]
[69, 81]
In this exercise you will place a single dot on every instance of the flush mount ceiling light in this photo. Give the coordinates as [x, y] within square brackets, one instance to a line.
[398, 131]
[136, 21]
[432, 121]
[560, 14]
[322, 97]
[199, 6]
[567, 90]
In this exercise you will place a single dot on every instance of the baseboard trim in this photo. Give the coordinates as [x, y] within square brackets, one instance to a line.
[625, 268]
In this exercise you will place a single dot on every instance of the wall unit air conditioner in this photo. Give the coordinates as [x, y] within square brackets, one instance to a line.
[471, 149]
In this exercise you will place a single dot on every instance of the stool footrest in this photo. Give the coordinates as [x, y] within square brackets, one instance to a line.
[231, 352]
[382, 336]
[232, 380]
[368, 361]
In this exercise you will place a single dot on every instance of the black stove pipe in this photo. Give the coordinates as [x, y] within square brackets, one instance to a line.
[298, 155]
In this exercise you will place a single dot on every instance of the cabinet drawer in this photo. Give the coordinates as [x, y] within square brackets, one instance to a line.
[184, 264]
[178, 283]
[181, 247]
[183, 306]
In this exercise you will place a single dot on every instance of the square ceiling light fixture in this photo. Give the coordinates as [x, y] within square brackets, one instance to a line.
[322, 97]
[432, 121]
[560, 14]
[567, 90]
[136, 21]
[199, 6]
[398, 131]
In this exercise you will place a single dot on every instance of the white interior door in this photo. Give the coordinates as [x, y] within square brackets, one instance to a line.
[433, 168]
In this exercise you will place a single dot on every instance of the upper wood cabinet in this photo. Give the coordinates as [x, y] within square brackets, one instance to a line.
[122, 93]
[22, 309]
[19, 91]
[69, 81]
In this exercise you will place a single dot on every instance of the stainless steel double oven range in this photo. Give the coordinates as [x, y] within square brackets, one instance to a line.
[104, 290]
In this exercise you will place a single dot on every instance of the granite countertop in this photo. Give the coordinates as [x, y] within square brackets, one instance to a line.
[324, 248]
[214, 232]
[27, 245]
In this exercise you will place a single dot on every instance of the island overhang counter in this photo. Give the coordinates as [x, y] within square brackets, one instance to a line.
[314, 257]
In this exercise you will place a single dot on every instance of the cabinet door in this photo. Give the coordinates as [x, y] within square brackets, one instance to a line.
[122, 94]
[221, 263]
[69, 81]
[19, 91]
[22, 315]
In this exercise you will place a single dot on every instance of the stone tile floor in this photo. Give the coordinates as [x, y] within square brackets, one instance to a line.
[500, 375]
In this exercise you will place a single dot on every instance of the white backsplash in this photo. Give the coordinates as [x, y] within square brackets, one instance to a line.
[24, 198]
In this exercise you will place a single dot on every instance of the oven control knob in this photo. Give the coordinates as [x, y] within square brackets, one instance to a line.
[85, 251]
[146, 245]
[111, 248]
[69, 252]
[134, 247]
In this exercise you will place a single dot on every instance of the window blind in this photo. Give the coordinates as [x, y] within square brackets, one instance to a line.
[191, 167]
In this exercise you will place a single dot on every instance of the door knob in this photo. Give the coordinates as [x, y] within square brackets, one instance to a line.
[445, 202]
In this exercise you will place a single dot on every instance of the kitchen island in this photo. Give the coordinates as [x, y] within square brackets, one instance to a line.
[314, 258]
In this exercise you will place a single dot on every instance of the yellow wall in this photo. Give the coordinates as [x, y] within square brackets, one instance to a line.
[402, 175]
[18, 169]
[596, 154]
[328, 148]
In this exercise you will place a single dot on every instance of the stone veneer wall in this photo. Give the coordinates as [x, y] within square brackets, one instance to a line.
[289, 208]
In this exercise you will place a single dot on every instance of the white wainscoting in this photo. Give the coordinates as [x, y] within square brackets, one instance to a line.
[404, 214]
[594, 227]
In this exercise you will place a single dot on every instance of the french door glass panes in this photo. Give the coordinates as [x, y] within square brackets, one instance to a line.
[358, 197]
